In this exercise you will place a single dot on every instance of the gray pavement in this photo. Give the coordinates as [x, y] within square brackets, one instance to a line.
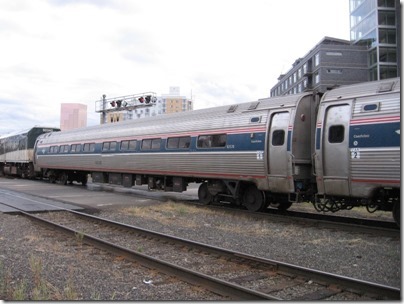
[93, 196]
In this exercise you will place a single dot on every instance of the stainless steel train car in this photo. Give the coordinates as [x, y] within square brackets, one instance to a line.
[338, 151]
[357, 153]
[17, 151]
[250, 154]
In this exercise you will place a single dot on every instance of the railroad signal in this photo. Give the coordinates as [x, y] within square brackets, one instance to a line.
[124, 103]
[118, 103]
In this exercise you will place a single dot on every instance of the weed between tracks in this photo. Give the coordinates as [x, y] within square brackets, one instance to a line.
[188, 216]
[33, 286]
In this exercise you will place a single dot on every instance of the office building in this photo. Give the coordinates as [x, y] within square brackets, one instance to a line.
[373, 53]
[332, 62]
[73, 116]
[376, 24]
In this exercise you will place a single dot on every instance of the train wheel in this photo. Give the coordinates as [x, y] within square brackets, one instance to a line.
[205, 197]
[52, 178]
[63, 178]
[84, 179]
[396, 212]
[254, 199]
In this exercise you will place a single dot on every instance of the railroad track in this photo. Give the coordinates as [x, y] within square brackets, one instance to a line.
[352, 224]
[324, 220]
[231, 274]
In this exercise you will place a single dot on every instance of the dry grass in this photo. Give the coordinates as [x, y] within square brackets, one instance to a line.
[33, 286]
[189, 216]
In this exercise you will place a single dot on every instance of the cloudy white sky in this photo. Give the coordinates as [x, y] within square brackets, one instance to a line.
[223, 51]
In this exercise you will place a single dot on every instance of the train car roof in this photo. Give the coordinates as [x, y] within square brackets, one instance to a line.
[25, 131]
[363, 89]
[196, 119]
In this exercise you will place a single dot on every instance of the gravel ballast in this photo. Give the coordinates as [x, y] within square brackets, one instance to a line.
[67, 269]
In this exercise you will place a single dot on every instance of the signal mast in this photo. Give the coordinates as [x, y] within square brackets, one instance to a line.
[124, 103]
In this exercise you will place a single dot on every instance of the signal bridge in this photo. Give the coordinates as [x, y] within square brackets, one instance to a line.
[128, 102]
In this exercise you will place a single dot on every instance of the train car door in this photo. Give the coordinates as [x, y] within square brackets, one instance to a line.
[278, 157]
[335, 150]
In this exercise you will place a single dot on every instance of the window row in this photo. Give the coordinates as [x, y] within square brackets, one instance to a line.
[181, 142]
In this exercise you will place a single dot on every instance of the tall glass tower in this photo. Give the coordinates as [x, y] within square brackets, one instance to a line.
[377, 25]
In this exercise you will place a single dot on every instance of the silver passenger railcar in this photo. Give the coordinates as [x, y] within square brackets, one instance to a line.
[357, 155]
[340, 151]
[251, 153]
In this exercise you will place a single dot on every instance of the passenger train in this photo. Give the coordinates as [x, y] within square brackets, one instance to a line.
[338, 150]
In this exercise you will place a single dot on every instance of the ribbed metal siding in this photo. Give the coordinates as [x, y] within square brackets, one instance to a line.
[360, 90]
[185, 164]
[388, 104]
[377, 164]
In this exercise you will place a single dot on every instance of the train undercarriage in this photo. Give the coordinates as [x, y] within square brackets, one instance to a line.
[384, 199]
[22, 169]
[240, 193]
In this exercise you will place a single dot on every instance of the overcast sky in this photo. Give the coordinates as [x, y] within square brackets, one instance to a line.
[223, 51]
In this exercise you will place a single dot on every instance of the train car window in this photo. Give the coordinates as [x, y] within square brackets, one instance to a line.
[255, 119]
[185, 142]
[89, 147]
[146, 144]
[370, 107]
[63, 148]
[151, 144]
[179, 142]
[109, 146]
[124, 145]
[172, 143]
[112, 146]
[132, 145]
[76, 148]
[105, 146]
[128, 145]
[156, 144]
[212, 141]
[53, 149]
[336, 134]
[278, 138]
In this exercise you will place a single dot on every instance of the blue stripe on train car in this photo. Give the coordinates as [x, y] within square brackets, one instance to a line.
[235, 142]
[375, 135]
[318, 139]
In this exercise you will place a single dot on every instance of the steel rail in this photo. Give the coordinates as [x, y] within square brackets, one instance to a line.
[315, 275]
[325, 220]
[224, 288]
[312, 274]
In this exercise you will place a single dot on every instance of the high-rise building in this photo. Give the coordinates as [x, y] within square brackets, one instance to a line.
[376, 24]
[330, 63]
[73, 116]
[373, 53]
